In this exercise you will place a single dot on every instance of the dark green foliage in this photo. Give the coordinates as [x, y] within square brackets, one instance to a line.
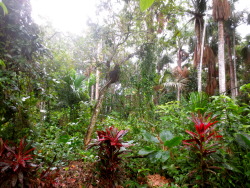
[196, 102]
[20, 73]
[165, 139]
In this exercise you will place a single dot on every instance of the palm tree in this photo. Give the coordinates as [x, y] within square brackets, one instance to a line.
[198, 14]
[221, 12]
[178, 80]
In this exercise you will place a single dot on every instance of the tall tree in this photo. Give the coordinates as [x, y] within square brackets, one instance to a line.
[198, 14]
[221, 12]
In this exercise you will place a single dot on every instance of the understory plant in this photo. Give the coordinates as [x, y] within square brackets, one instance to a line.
[18, 169]
[204, 142]
[110, 147]
[159, 147]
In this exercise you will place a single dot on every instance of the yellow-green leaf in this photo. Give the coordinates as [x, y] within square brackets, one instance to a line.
[5, 10]
[145, 4]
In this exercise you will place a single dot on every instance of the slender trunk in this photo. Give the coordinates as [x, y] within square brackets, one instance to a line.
[178, 93]
[231, 69]
[95, 114]
[98, 105]
[234, 65]
[92, 93]
[221, 58]
[179, 61]
[199, 72]
[97, 84]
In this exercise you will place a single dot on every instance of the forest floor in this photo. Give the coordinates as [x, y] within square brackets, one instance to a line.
[79, 174]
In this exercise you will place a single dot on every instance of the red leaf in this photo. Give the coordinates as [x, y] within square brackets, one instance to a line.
[16, 167]
[191, 133]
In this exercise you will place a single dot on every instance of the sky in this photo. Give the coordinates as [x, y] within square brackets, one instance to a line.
[240, 6]
[64, 15]
[71, 16]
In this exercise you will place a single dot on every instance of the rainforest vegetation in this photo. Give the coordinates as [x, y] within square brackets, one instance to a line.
[154, 93]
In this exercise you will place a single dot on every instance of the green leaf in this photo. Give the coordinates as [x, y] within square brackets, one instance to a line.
[157, 155]
[63, 139]
[5, 10]
[247, 173]
[150, 138]
[165, 156]
[246, 139]
[2, 63]
[173, 142]
[166, 135]
[144, 170]
[145, 4]
[248, 155]
[243, 140]
[145, 151]
[231, 167]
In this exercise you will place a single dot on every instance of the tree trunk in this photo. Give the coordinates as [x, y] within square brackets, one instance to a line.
[97, 84]
[92, 95]
[95, 114]
[178, 93]
[199, 68]
[234, 64]
[231, 69]
[221, 58]
[99, 103]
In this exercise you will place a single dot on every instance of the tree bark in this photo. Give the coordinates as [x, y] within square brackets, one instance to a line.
[97, 84]
[221, 58]
[234, 64]
[92, 92]
[199, 68]
[231, 69]
[95, 114]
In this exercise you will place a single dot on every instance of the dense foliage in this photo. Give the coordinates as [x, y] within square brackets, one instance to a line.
[53, 87]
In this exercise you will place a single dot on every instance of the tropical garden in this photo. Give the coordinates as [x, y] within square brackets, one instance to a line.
[155, 93]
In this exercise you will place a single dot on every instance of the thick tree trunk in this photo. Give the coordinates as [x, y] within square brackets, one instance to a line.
[221, 58]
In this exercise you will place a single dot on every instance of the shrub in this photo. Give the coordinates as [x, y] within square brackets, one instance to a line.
[110, 146]
[17, 168]
[203, 143]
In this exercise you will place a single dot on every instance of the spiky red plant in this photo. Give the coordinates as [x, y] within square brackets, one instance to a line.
[204, 142]
[109, 145]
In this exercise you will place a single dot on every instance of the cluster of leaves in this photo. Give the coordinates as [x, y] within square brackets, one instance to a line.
[159, 148]
[18, 169]
[110, 146]
[57, 142]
